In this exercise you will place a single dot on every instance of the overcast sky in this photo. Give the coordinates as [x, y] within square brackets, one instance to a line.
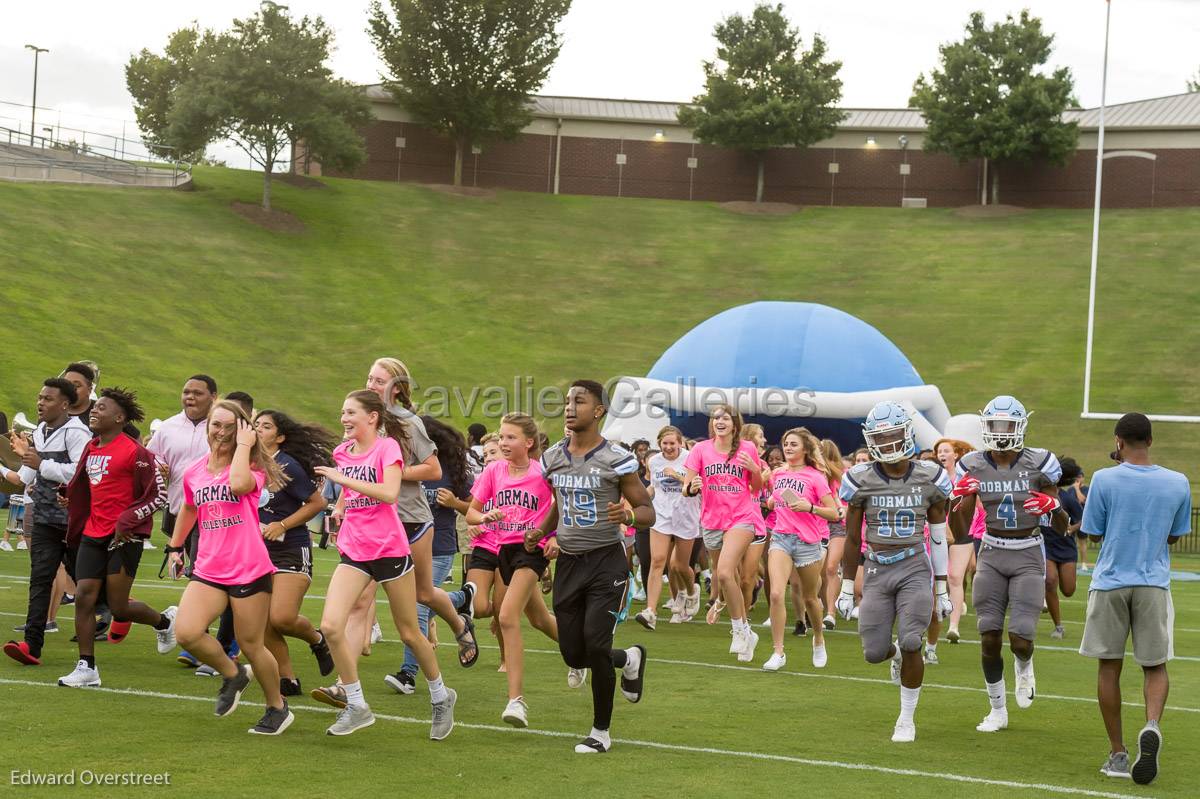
[636, 49]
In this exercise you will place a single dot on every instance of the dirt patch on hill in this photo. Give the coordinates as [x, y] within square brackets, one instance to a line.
[761, 209]
[989, 211]
[463, 191]
[274, 220]
[299, 181]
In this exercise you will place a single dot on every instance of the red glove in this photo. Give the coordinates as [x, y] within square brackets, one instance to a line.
[967, 486]
[1039, 504]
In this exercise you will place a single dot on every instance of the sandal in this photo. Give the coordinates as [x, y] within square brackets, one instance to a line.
[468, 649]
[714, 612]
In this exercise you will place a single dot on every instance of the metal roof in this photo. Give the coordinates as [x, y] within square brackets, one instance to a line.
[1179, 111]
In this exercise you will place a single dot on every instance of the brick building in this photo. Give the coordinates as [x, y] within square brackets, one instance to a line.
[631, 148]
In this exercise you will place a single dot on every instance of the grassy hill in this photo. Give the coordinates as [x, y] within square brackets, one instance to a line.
[470, 292]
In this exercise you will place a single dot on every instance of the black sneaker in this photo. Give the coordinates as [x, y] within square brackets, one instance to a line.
[321, 652]
[288, 687]
[801, 629]
[274, 721]
[467, 608]
[401, 682]
[67, 599]
[231, 690]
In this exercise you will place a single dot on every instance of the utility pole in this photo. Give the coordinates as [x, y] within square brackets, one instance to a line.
[37, 51]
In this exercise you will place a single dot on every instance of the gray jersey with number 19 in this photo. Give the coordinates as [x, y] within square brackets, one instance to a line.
[583, 488]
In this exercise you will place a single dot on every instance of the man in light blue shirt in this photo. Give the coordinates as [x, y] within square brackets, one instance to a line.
[1137, 510]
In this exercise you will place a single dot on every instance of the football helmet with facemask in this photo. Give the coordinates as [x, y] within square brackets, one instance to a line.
[888, 431]
[1003, 424]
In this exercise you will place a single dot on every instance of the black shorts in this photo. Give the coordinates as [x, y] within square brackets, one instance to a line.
[417, 530]
[1060, 548]
[589, 598]
[515, 556]
[291, 558]
[260, 586]
[95, 560]
[381, 570]
[483, 559]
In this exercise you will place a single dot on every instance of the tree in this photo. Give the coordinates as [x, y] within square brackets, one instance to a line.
[150, 79]
[466, 68]
[1193, 84]
[990, 99]
[764, 90]
[264, 85]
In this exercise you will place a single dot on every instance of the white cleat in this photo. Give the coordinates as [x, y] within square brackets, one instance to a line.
[1026, 687]
[166, 638]
[776, 662]
[516, 713]
[84, 676]
[994, 721]
[576, 678]
[820, 656]
[904, 733]
[747, 654]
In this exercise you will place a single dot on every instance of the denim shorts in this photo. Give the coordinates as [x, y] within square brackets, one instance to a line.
[801, 552]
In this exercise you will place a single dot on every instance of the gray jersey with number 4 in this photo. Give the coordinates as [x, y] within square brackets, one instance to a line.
[1003, 491]
[895, 508]
[584, 486]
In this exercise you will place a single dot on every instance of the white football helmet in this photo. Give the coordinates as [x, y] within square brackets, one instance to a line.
[888, 431]
[1003, 424]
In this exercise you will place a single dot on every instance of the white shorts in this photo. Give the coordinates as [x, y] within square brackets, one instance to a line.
[689, 532]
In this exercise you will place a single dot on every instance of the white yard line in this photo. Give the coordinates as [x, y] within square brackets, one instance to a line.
[703, 750]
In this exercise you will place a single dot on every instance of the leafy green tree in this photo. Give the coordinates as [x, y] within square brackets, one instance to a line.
[466, 68]
[764, 90]
[150, 78]
[1193, 84]
[992, 99]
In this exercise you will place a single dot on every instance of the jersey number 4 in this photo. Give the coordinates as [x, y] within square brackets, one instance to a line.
[1006, 512]
[900, 525]
[579, 508]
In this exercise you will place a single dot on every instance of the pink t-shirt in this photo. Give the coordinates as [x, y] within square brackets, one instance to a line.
[487, 538]
[725, 497]
[525, 499]
[371, 529]
[812, 485]
[978, 522]
[230, 550]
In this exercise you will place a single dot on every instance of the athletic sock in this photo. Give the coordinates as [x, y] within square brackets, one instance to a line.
[1022, 666]
[162, 623]
[601, 736]
[437, 690]
[619, 658]
[995, 692]
[908, 702]
[90, 660]
[354, 694]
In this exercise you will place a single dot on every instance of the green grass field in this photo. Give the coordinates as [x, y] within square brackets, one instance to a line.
[707, 725]
[158, 285]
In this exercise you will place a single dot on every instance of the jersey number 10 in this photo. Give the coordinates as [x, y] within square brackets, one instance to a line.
[901, 525]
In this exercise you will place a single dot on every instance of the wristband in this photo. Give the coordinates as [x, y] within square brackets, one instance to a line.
[632, 518]
[847, 586]
[939, 586]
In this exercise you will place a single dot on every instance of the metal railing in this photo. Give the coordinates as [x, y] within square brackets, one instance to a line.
[1189, 544]
[28, 151]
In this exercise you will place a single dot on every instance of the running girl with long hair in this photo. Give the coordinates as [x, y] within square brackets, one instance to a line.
[298, 449]
[675, 531]
[374, 549]
[232, 568]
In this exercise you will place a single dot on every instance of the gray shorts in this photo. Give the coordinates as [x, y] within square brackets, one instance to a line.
[801, 552]
[715, 539]
[1011, 581]
[1144, 611]
[896, 593]
[837, 530]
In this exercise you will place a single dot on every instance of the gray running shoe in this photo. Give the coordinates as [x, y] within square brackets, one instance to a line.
[352, 717]
[443, 716]
[274, 721]
[1117, 765]
[231, 690]
[1145, 768]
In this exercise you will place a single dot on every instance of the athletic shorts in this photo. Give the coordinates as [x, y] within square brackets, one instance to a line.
[291, 558]
[715, 539]
[800, 551]
[1060, 548]
[837, 530]
[1145, 611]
[260, 586]
[1011, 581]
[381, 570]
[900, 593]
[515, 556]
[95, 560]
[484, 560]
[416, 531]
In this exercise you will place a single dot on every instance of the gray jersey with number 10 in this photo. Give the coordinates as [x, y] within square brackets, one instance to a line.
[895, 508]
[583, 488]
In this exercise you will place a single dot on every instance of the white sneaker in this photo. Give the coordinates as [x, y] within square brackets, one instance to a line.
[820, 657]
[639, 594]
[994, 721]
[904, 733]
[376, 633]
[1026, 687]
[576, 678]
[776, 662]
[854, 613]
[691, 603]
[146, 544]
[84, 676]
[22, 545]
[895, 663]
[678, 618]
[1058, 633]
[672, 604]
[953, 635]
[647, 618]
[931, 657]
[747, 654]
[766, 623]
[166, 638]
[737, 641]
[516, 713]
[5, 546]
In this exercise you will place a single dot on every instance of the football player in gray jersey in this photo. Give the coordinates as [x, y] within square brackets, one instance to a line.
[893, 497]
[1010, 579]
[590, 476]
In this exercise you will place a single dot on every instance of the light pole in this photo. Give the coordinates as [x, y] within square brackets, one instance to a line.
[37, 51]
